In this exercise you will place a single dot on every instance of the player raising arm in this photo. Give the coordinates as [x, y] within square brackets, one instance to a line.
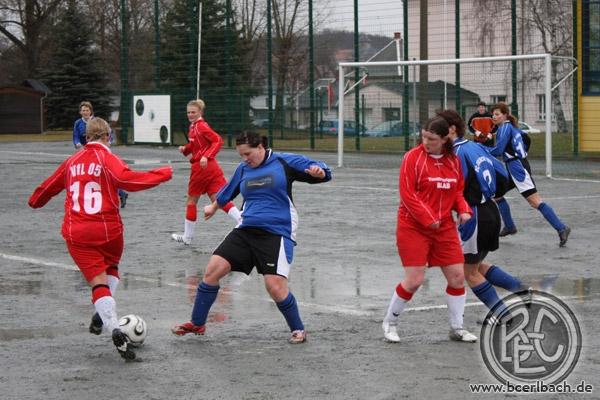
[92, 227]
[511, 146]
[267, 235]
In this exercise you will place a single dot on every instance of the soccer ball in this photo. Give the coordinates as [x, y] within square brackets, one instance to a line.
[134, 327]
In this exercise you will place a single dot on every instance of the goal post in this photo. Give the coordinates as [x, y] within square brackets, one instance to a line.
[539, 66]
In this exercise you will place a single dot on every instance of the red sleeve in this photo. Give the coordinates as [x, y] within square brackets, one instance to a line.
[204, 133]
[134, 181]
[52, 186]
[460, 204]
[187, 149]
[417, 208]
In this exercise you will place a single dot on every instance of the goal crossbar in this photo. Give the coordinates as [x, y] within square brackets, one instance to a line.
[547, 90]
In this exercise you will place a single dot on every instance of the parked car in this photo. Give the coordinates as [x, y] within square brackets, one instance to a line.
[525, 127]
[330, 127]
[392, 128]
[261, 123]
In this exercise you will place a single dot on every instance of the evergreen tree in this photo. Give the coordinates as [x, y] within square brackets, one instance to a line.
[75, 71]
[227, 100]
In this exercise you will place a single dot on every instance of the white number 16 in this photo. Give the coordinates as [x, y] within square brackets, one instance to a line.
[92, 197]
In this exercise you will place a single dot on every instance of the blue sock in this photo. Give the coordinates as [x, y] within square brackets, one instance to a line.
[497, 277]
[551, 217]
[505, 213]
[488, 296]
[205, 297]
[289, 309]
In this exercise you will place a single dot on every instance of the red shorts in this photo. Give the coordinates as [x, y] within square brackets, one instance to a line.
[93, 260]
[208, 180]
[420, 246]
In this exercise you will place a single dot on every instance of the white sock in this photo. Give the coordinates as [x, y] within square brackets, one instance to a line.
[235, 215]
[189, 227]
[456, 310]
[106, 307]
[395, 308]
[113, 283]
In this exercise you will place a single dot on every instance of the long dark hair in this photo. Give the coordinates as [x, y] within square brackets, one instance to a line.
[503, 107]
[252, 139]
[454, 118]
[440, 127]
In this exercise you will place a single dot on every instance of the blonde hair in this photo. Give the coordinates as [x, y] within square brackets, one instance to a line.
[86, 104]
[198, 103]
[96, 129]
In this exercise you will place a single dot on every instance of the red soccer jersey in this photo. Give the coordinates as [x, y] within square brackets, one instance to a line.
[430, 188]
[92, 177]
[204, 142]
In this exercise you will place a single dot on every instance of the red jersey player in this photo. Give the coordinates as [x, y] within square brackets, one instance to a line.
[431, 187]
[206, 175]
[92, 226]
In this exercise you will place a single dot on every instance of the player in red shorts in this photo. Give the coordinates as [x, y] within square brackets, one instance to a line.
[431, 186]
[92, 226]
[206, 175]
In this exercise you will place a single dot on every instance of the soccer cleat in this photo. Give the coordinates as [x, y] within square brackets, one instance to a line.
[462, 335]
[181, 239]
[120, 341]
[96, 324]
[506, 231]
[298, 337]
[188, 327]
[389, 332]
[123, 196]
[564, 236]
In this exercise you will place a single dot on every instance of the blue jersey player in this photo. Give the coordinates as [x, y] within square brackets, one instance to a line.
[511, 146]
[485, 177]
[266, 236]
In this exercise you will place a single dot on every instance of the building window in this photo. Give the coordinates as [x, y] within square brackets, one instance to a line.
[497, 98]
[590, 47]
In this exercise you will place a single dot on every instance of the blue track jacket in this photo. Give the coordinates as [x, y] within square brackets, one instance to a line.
[267, 191]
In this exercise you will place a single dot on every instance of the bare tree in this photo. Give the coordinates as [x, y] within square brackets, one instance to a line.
[542, 28]
[24, 23]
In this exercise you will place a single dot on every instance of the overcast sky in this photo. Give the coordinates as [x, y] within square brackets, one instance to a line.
[382, 17]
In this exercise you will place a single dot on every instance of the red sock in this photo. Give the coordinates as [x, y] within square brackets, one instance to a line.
[191, 212]
[100, 291]
[403, 293]
[455, 291]
[114, 271]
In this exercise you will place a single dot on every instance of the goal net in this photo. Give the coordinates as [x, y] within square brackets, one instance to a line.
[390, 99]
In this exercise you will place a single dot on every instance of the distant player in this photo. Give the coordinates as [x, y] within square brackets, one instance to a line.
[485, 177]
[87, 113]
[511, 146]
[482, 126]
[267, 235]
[206, 175]
[92, 226]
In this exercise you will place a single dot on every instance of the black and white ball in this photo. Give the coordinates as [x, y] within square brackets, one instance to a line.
[134, 327]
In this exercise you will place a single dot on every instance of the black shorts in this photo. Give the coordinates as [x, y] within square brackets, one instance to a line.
[246, 248]
[481, 234]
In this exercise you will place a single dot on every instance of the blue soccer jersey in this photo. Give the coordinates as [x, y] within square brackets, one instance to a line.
[267, 191]
[509, 142]
[480, 170]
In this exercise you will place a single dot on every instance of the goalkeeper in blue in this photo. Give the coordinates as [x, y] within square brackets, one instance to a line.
[485, 178]
[266, 237]
[512, 146]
